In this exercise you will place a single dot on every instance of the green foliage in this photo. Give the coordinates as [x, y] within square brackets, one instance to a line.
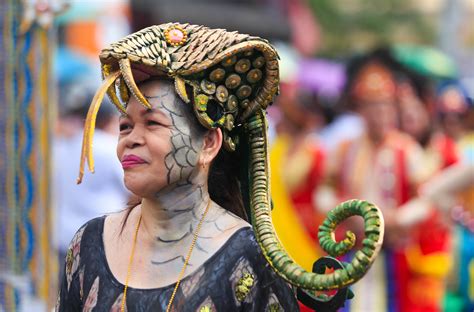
[351, 25]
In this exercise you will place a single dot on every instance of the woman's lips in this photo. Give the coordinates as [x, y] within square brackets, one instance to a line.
[129, 161]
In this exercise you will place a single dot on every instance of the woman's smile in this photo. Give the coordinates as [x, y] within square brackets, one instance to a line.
[129, 161]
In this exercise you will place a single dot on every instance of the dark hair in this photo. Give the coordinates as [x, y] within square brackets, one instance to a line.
[224, 184]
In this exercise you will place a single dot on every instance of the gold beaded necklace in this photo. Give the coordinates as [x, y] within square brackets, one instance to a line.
[186, 261]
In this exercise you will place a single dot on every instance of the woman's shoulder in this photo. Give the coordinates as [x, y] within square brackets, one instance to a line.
[242, 252]
[91, 227]
[244, 240]
[89, 231]
[88, 235]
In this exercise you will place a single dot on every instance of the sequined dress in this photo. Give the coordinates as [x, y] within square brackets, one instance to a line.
[236, 278]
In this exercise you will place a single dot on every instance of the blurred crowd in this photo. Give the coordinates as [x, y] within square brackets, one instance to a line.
[385, 138]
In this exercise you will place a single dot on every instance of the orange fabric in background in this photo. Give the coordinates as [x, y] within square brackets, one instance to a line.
[82, 36]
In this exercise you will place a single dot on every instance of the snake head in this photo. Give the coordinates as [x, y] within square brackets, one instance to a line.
[236, 73]
[225, 76]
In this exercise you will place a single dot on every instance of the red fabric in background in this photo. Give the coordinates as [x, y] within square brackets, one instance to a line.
[302, 198]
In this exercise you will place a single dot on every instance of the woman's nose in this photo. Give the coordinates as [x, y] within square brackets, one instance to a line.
[135, 138]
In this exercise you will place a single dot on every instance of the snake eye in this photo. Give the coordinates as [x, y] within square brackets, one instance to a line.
[214, 110]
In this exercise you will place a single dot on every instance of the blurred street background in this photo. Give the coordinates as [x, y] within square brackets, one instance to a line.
[376, 103]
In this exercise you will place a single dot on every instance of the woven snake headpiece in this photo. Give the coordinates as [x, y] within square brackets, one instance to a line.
[237, 76]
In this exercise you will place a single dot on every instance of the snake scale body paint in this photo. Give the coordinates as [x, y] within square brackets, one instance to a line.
[229, 79]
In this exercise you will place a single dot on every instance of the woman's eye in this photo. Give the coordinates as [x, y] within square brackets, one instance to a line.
[124, 127]
[153, 123]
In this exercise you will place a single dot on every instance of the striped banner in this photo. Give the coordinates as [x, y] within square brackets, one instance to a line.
[28, 264]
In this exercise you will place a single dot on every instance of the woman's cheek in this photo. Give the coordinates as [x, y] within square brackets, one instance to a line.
[138, 183]
[120, 149]
[181, 160]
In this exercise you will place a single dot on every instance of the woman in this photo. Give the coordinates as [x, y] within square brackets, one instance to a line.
[186, 245]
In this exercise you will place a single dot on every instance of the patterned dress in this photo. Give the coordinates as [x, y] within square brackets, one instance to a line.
[236, 278]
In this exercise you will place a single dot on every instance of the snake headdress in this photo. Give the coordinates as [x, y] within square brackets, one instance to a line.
[235, 76]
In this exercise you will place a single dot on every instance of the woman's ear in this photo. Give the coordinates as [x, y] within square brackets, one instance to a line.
[210, 147]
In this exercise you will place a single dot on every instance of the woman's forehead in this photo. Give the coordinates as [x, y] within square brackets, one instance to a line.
[157, 89]
[161, 96]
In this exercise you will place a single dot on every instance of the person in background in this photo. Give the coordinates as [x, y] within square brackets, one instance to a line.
[451, 106]
[102, 193]
[303, 163]
[346, 125]
[381, 166]
[430, 256]
[456, 104]
[415, 103]
[297, 162]
[442, 193]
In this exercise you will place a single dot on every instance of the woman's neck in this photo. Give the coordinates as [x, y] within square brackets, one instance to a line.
[172, 215]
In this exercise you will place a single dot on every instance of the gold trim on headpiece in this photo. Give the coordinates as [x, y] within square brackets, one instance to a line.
[233, 74]
[175, 35]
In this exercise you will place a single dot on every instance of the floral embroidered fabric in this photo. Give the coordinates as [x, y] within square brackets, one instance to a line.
[236, 278]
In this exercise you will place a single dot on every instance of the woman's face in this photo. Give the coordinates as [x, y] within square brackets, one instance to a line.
[414, 117]
[414, 113]
[158, 147]
[380, 116]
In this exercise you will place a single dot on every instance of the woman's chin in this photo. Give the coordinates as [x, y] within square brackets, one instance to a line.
[136, 187]
[140, 187]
